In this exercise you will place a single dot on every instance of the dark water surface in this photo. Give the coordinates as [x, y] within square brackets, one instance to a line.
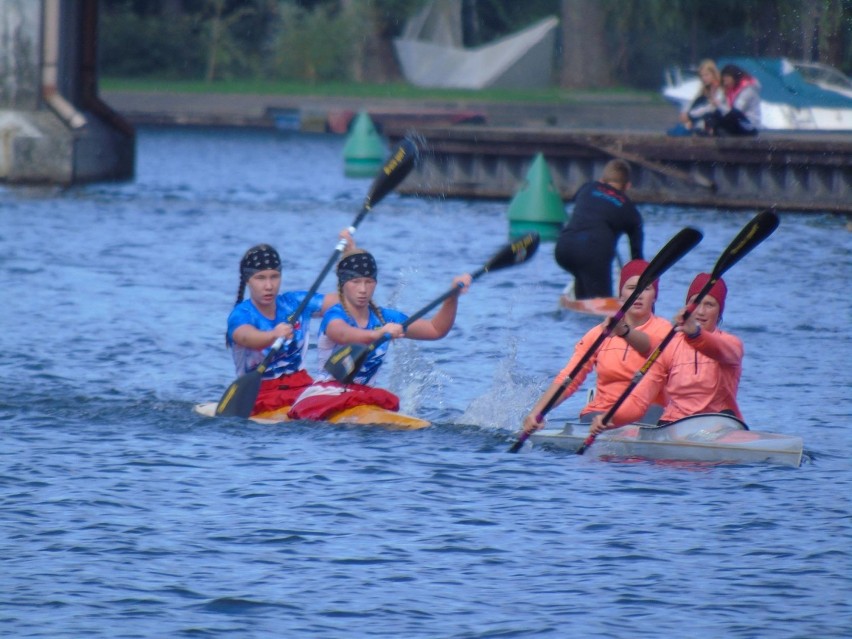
[123, 514]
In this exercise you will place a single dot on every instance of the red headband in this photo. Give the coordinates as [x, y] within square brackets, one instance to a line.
[719, 291]
[636, 267]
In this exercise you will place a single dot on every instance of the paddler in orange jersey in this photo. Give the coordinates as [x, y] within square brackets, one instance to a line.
[619, 357]
[699, 371]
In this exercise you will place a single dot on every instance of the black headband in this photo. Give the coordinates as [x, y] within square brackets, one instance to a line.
[259, 258]
[357, 265]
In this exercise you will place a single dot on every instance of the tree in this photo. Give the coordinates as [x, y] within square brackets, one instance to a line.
[585, 56]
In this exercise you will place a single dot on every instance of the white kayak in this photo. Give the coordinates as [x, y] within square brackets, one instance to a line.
[366, 415]
[714, 438]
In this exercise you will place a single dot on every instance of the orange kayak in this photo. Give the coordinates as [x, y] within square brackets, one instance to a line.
[602, 306]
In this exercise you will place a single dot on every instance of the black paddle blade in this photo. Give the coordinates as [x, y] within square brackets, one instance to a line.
[345, 363]
[394, 171]
[761, 226]
[517, 252]
[239, 398]
[514, 448]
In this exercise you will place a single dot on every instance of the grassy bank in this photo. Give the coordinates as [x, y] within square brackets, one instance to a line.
[401, 91]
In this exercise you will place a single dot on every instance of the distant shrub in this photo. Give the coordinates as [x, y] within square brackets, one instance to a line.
[135, 46]
[313, 46]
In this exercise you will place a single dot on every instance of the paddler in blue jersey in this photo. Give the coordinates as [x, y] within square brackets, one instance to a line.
[356, 319]
[255, 323]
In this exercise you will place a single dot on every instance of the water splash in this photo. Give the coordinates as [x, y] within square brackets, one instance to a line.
[507, 400]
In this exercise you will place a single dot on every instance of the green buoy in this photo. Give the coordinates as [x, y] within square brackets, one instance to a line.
[537, 206]
[364, 151]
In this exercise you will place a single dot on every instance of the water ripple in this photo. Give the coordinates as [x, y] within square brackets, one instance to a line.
[122, 513]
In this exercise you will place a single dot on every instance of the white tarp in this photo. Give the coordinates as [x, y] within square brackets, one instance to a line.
[431, 55]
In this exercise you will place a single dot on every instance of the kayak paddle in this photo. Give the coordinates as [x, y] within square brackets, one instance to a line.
[239, 398]
[753, 233]
[344, 364]
[685, 240]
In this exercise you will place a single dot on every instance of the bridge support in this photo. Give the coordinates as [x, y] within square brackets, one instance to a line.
[54, 129]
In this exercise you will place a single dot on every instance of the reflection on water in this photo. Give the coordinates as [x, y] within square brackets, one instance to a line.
[119, 503]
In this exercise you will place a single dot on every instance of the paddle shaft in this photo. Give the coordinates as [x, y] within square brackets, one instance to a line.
[294, 316]
[393, 172]
[757, 230]
[677, 247]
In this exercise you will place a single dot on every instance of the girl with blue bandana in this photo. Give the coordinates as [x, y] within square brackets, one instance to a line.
[357, 319]
[255, 323]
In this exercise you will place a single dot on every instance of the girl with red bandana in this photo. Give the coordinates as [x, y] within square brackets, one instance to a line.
[619, 356]
[699, 370]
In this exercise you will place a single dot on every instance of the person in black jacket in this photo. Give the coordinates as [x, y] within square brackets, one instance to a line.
[587, 244]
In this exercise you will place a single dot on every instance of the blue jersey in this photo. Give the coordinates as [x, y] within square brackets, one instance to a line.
[325, 347]
[291, 356]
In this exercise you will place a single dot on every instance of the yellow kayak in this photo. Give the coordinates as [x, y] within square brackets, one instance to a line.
[357, 415]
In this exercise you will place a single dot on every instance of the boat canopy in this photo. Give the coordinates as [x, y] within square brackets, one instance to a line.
[781, 82]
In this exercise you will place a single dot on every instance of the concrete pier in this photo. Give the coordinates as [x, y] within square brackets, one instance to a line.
[54, 129]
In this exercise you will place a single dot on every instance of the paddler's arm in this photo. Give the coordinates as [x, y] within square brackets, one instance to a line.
[725, 348]
[638, 340]
[328, 300]
[440, 323]
[340, 332]
[636, 403]
[254, 338]
[531, 423]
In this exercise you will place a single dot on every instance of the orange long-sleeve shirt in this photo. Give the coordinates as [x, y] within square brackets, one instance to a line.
[700, 375]
[615, 363]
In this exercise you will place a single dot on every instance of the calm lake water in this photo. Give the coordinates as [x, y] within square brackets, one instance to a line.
[123, 514]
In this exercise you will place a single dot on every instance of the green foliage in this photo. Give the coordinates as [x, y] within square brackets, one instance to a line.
[319, 41]
[316, 46]
[140, 46]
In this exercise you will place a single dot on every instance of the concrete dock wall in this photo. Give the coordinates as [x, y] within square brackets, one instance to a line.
[802, 172]
[54, 129]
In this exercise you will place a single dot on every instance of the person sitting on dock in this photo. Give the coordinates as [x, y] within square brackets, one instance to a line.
[357, 319]
[587, 243]
[699, 371]
[711, 96]
[739, 114]
[619, 356]
[255, 323]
